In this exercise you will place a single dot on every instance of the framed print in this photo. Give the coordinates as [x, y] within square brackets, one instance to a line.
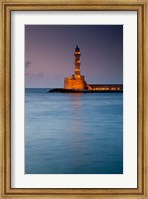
[73, 99]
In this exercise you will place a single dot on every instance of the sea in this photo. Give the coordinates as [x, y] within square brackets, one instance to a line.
[77, 133]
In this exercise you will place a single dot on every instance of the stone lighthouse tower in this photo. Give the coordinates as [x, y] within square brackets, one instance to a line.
[76, 81]
[77, 55]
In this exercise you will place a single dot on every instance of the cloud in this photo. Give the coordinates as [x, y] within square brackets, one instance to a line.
[40, 75]
[27, 64]
[58, 76]
[37, 75]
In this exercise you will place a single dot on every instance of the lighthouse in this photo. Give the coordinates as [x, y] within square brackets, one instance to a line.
[76, 81]
[77, 62]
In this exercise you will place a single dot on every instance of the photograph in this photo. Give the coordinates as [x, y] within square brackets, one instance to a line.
[73, 99]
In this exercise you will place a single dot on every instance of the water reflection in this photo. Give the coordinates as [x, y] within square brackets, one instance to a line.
[77, 124]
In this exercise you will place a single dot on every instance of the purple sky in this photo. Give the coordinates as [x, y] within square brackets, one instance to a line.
[49, 54]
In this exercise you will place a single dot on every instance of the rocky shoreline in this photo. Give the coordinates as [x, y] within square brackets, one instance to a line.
[62, 90]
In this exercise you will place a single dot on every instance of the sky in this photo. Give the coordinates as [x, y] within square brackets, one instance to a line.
[49, 54]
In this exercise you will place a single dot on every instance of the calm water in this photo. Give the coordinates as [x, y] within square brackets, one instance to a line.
[73, 133]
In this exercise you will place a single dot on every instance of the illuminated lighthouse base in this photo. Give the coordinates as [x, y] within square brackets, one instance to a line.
[76, 83]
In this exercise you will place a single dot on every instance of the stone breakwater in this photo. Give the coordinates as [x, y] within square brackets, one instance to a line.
[62, 90]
